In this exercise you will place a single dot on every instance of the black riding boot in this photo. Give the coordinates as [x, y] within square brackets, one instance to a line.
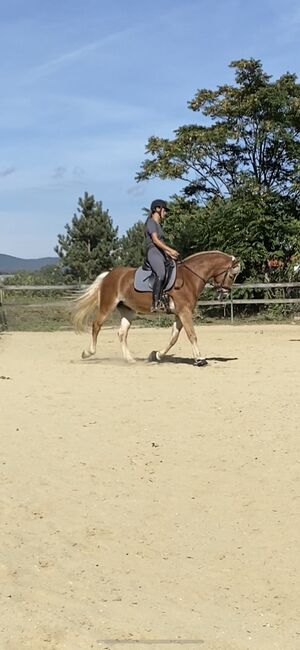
[157, 294]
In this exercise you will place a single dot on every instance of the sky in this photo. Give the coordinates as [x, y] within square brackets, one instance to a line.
[85, 83]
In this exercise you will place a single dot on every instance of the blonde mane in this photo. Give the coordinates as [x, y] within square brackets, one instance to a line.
[208, 253]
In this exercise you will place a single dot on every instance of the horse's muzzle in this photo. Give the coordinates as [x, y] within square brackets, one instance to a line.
[222, 293]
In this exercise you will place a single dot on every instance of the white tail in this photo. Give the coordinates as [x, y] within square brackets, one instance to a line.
[86, 303]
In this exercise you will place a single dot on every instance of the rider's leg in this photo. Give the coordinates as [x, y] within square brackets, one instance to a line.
[156, 293]
[157, 262]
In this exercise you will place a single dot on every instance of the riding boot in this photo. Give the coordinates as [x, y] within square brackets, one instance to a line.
[156, 295]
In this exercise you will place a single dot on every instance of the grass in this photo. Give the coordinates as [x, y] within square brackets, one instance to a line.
[50, 314]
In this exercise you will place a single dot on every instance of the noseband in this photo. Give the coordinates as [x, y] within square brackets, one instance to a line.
[225, 273]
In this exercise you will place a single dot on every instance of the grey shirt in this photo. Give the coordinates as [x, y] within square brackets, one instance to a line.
[152, 226]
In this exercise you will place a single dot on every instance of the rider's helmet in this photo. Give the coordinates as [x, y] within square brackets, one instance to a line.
[158, 203]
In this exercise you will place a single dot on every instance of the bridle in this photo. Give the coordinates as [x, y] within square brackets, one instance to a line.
[225, 273]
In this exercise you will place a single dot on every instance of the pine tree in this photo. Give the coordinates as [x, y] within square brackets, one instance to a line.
[90, 244]
[133, 245]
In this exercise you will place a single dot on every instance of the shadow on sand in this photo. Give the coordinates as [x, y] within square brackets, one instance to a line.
[114, 361]
[190, 362]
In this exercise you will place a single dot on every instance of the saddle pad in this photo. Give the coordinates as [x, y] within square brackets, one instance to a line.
[143, 279]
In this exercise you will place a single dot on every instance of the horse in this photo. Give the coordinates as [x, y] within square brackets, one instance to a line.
[115, 289]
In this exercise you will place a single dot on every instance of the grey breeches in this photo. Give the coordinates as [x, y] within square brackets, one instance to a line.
[156, 260]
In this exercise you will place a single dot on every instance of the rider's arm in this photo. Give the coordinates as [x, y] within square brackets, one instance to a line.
[160, 244]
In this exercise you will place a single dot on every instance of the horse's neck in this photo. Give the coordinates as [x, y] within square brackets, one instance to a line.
[202, 264]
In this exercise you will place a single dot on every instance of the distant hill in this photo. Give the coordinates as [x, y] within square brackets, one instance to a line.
[10, 264]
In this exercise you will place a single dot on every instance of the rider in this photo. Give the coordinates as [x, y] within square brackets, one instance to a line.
[157, 251]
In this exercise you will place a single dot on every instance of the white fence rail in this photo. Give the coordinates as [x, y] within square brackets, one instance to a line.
[230, 301]
[276, 300]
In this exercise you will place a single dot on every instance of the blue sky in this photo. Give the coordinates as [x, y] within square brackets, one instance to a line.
[85, 83]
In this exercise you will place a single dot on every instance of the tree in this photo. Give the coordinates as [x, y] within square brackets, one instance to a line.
[253, 138]
[253, 228]
[133, 245]
[240, 169]
[90, 244]
[51, 274]
[186, 226]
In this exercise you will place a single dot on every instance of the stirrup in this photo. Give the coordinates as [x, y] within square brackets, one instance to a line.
[165, 302]
[159, 306]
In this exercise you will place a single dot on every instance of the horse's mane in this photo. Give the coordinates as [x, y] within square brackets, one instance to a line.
[205, 253]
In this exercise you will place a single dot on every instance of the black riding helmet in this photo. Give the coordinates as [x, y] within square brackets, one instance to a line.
[158, 203]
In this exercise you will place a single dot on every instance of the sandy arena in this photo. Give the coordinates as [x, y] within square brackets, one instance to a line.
[151, 506]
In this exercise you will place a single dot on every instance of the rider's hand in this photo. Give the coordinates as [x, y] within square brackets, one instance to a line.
[173, 253]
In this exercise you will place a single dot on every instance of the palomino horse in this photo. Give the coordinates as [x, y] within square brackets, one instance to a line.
[114, 289]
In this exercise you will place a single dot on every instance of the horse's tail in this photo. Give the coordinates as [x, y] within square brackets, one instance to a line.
[85, 305]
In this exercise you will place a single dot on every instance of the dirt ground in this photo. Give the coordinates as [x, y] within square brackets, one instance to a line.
[150, 506]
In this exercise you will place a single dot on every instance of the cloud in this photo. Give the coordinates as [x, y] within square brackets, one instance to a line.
[74, 55]
[59, 173]
[67, 175]
[136, 190]
[7, 172]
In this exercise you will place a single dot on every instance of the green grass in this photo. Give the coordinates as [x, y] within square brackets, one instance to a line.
[48, 314]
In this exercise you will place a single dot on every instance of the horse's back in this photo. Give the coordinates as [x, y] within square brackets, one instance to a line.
[119, 277]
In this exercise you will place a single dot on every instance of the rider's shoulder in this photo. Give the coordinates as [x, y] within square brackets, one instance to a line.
[151, 223]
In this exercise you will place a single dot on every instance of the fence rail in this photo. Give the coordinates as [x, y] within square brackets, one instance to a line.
[230, 301]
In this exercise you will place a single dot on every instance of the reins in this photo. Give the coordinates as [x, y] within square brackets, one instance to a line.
[225, 272]
[192, 271]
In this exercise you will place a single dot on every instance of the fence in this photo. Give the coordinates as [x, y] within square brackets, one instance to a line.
[230, 301]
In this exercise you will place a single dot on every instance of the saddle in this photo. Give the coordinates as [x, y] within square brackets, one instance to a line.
[144, 277]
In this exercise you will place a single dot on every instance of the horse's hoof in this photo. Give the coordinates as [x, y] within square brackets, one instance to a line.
[153, 357]
[200, 363]
[85, 354]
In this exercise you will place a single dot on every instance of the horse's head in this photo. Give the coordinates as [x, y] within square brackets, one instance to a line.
[224, 278]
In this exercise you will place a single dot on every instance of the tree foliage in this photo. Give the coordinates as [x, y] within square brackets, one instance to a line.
[132, 249]
[240, 169]
[240, 172]
[51, 274]
[90, 244]
[253, 138]
[253, 228]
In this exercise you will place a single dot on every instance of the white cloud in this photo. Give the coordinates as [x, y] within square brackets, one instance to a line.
[72, 56]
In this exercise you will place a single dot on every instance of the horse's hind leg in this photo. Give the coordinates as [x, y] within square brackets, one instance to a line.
[105, 309]
[96, 326]
[126, 319]
[176, 329]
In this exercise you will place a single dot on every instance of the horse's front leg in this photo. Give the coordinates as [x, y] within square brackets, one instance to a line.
[186, 318]
[176, 329]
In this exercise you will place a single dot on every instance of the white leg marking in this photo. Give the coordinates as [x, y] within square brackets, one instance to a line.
[123, 333]
[87, 353]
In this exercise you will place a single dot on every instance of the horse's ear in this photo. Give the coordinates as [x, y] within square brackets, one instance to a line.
[235, 261]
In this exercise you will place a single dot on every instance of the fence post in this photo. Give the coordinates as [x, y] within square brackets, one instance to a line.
[3, 321]
[231, 305]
